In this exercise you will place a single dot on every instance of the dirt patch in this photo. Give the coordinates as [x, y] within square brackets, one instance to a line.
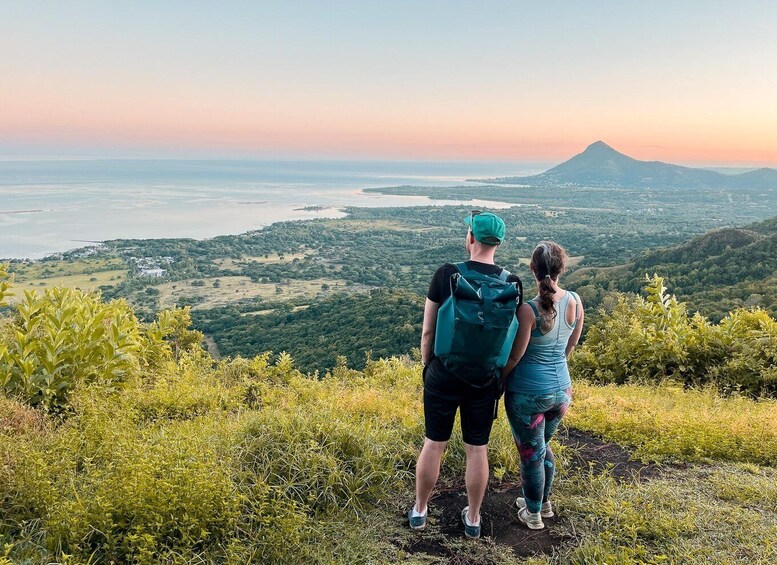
[499, 525]
[588, 452]
[499, 515]
[499, 520]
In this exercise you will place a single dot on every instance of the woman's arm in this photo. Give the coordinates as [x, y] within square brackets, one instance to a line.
[575, 337]
[526, 323]
[428, 329]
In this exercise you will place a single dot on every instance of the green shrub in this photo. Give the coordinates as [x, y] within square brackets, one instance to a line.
[5, 285]
[752, 365]
[63, 338]
[653, 339]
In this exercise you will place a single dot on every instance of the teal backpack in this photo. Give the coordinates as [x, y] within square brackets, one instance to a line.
[476, 325]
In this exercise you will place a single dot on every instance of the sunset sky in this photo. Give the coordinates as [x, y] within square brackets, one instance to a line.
[692, 82]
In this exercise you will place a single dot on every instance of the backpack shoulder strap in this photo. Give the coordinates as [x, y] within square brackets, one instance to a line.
[536, 312]
[464, 270]
[577, 303]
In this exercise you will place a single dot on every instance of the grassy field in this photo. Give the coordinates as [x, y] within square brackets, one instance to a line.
[229, 263]
[85, 274]
[36, 270]
[671, 424]
[82, 281]
[235, 288]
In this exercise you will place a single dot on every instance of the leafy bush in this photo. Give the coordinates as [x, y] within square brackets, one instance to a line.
[654, 339]
[4, 284]
[62, 338]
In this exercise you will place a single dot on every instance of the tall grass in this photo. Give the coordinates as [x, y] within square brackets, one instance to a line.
[667, 422]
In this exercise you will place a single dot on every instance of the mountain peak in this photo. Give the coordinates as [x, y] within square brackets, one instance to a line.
[602, 166]
[598, 145]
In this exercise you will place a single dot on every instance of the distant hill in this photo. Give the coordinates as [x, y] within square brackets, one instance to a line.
[601, 165]
[716, 272]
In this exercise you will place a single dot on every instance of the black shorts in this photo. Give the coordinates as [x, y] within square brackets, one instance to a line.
[444, 393]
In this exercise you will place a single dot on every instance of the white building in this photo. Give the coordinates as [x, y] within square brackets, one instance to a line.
[152, 273]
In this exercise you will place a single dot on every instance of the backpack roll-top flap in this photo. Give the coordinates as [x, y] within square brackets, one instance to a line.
[462, 289]
[508, 293]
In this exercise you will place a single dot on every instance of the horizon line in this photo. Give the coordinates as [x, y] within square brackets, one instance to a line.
[358, 159]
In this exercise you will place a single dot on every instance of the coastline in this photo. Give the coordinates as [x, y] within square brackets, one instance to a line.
[297, 214]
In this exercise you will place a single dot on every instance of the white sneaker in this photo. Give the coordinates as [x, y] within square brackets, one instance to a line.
[546, 511]
[532, 519]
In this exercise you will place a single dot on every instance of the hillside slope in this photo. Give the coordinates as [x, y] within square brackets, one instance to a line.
[716, 272]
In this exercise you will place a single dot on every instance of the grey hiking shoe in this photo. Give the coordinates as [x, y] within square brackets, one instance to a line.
[416, 521]
[546, 511]
[532, 519]
[472, 532]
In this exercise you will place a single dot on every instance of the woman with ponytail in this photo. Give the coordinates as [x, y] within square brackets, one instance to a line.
[538, 386]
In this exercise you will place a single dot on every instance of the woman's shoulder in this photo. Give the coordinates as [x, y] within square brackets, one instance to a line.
[528, 310]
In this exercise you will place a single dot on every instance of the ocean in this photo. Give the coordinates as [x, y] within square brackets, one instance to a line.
[53, 206]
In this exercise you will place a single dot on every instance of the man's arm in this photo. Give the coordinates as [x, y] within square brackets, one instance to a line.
[427, 333]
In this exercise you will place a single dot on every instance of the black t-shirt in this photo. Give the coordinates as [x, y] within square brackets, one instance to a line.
[440, 288]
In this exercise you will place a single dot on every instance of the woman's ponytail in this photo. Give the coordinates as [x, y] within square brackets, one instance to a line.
[548, 261]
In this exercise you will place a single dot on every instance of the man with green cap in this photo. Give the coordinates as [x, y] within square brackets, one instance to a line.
[445, 392]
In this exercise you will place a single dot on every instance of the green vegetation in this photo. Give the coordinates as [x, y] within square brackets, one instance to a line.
[614, 234]
[399, 248]
[379, 323]
[654, 339]
[51, 268]
[5, 285]
[158, 453]
[64, 339]
[678, 518]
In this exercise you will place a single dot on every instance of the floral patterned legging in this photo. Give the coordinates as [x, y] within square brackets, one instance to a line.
[534, 420]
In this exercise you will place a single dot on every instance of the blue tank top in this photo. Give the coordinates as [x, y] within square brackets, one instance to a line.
[543, 368]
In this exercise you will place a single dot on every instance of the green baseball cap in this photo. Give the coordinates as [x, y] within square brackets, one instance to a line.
[487, 228]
